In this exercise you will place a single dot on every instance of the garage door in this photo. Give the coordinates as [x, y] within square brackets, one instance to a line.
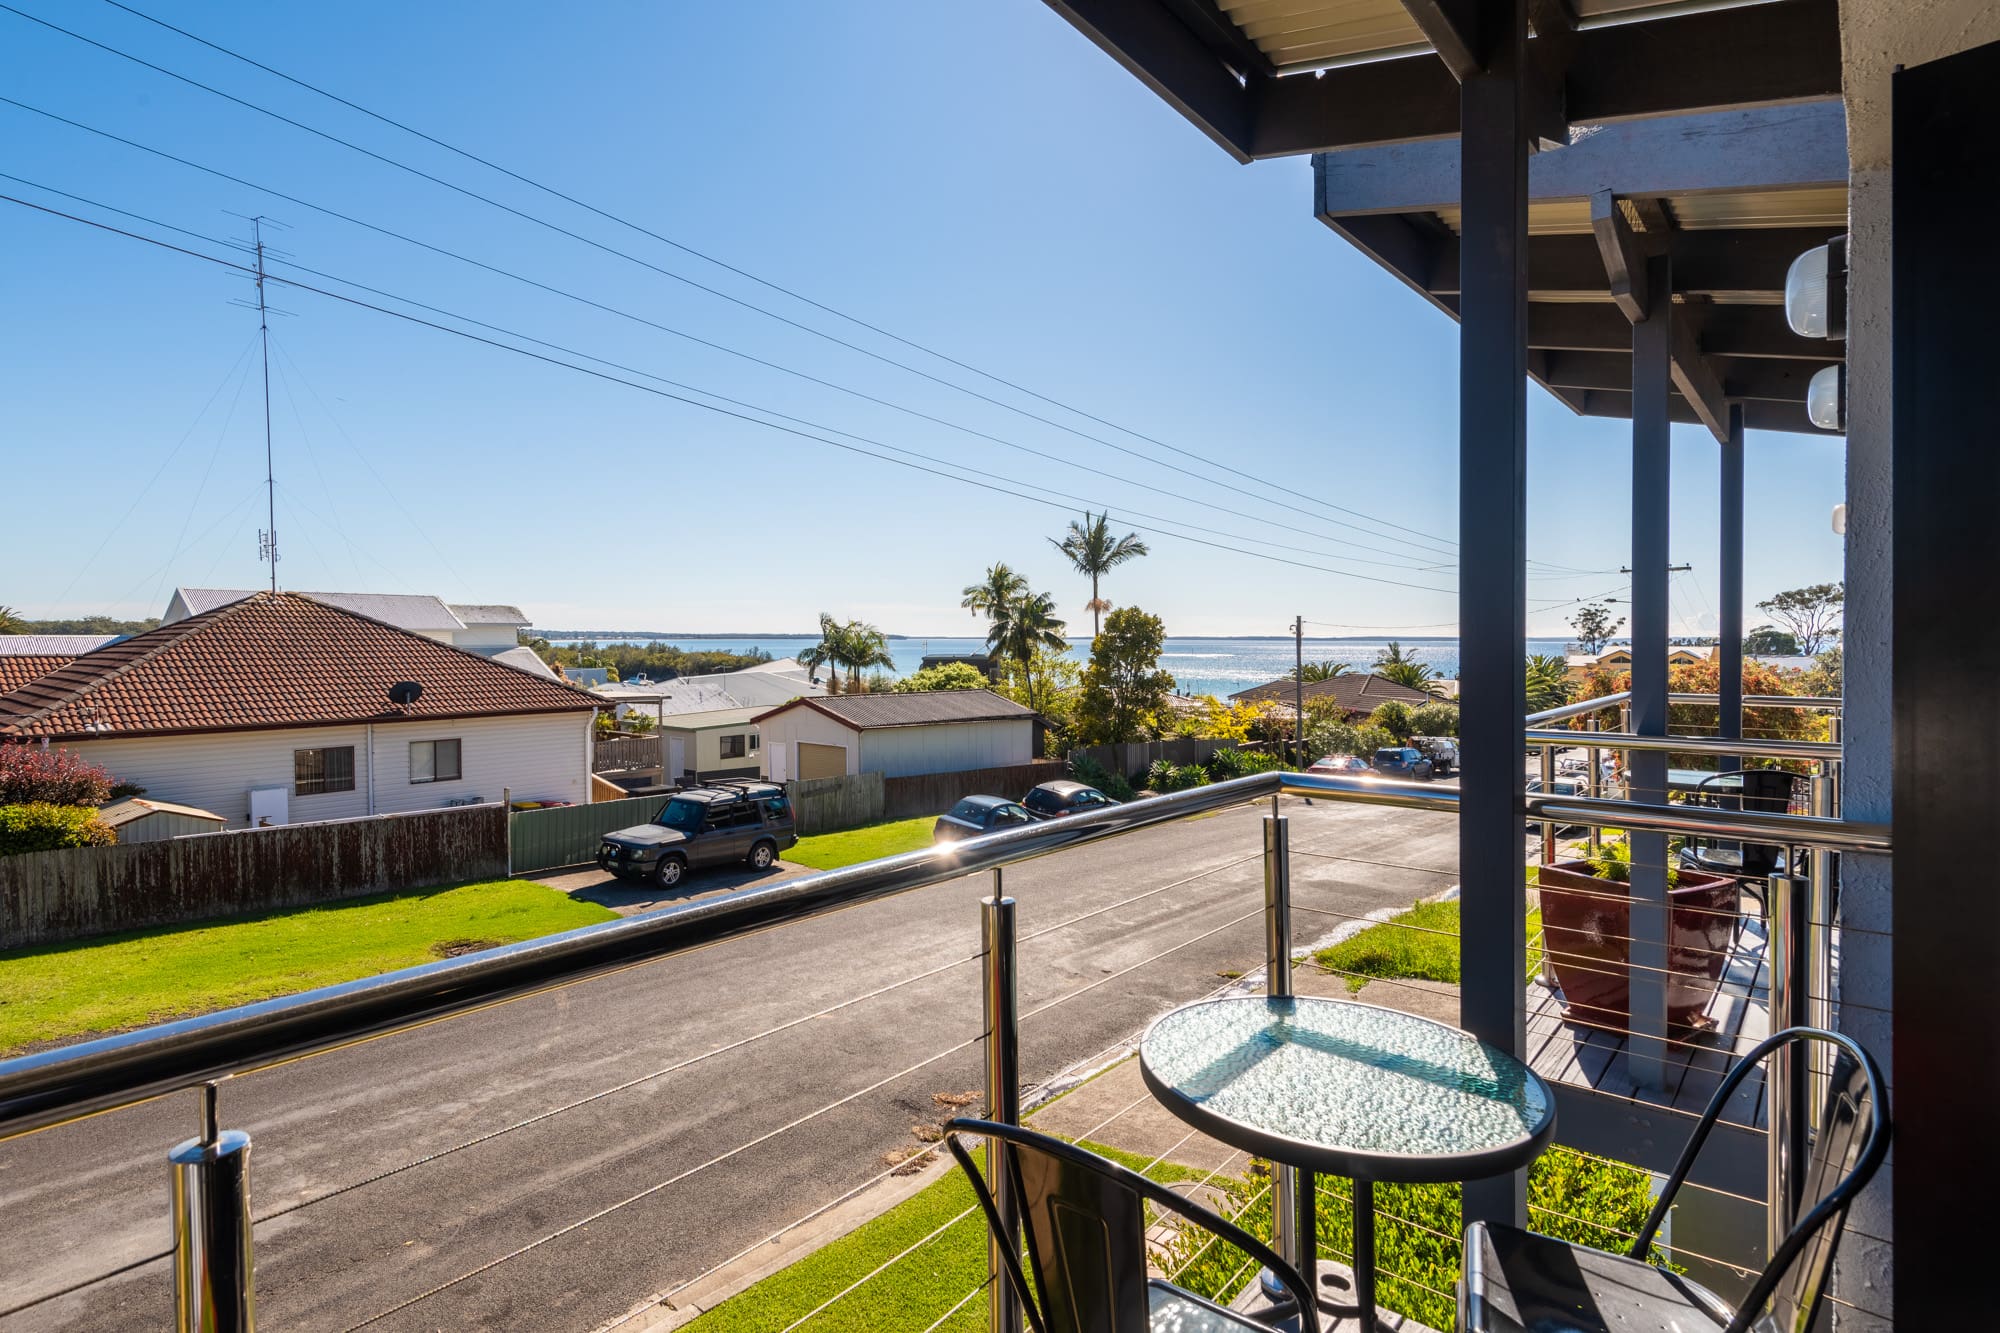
[821, 761]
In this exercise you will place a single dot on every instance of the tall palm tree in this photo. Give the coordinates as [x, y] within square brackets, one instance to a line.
[1001, 586]
[1404, 668]
[13, 624]
[864, 647]
[1021, 626]
[829, 651]
[1312, 671]
[1094, 551]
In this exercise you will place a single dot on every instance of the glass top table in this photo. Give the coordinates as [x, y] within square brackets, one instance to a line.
[1349, 1089]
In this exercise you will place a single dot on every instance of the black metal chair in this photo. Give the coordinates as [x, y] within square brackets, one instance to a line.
[1769, 790]
[1516, 1281]
[1085, 1223]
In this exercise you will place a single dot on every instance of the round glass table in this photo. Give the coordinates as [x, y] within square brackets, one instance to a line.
[1349, 1089]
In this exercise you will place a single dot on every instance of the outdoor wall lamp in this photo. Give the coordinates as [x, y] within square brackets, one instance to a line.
[1816, 291]
[1826, 397]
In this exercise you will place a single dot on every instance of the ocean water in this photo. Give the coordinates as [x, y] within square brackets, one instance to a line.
[1199, 666]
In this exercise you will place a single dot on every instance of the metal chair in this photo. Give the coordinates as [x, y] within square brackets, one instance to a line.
[1515, 1281]
[1085, 1223]
[1770, 790]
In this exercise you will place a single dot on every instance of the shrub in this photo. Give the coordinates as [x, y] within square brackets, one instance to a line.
[30, 774]
[42, 826]
[1614, 863]
[1397, 718]
[1165, 776]
[1090, 772]
[944, 676]
[1226, 764]
[1438, 719]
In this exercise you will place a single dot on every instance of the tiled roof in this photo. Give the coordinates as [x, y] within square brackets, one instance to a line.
[411, 611]
[18, 670]
[488, 613]
[1355, 691]
[52, 645]
[923, 708]
[270, 660]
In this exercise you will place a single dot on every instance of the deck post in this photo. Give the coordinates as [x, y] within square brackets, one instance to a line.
[1001, 993]
[1492, 529]
[1729, 590]
[1646, 773]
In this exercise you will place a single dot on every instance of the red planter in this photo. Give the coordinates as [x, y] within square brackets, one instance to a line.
[1586, 932]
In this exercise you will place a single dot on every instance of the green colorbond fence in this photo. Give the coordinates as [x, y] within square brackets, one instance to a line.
[568, 835]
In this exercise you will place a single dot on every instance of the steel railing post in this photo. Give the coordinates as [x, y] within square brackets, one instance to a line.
[1819, 932]
[1548, 789]
[1789, 903]
[1595, 787]
[1286, 1237]
[1003, 1095]
[211, 1228]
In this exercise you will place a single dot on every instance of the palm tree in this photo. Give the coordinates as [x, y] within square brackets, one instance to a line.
[1094, 551]
[829, 651]
[1022, 625]
[864, 647]
[1001, 586]
[1548, 681]
[1312, 671]
[11, 623]
[1405, 669]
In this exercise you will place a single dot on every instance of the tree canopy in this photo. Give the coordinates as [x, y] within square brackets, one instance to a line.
[1091, 548]
[943, 676]
[1811, 613]
[1770, 641]
[1403, 667]
[1312, 671]
[1594, 626]
[1123, 687]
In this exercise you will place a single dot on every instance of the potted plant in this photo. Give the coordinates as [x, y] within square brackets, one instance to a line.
[1587, 938]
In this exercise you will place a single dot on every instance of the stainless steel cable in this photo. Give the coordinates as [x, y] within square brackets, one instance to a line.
[75, 1287]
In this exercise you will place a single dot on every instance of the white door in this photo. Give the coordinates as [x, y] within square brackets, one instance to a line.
[676, 759]
[774, 755]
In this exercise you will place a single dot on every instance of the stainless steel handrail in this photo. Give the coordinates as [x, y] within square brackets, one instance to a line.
[1562, 712]
[1770, 747]
[1764, 700]
[1833, 835]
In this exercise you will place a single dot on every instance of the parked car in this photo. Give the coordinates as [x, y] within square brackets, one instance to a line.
[1053, 800]
[1404, 761]
[980, 814]
[1442, 751]
[1342, 765]
[1563, 787]
[720, 823]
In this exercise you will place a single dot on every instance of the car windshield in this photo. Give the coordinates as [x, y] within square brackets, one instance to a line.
[969, 810]
[1388, 756]
[1043, 800]
[680, 814]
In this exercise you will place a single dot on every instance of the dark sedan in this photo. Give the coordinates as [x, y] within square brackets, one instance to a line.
[1053, 800]
[979, 814]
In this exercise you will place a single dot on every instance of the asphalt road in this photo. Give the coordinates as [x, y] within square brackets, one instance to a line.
[86, 1198]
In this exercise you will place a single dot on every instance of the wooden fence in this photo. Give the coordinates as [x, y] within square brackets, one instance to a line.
[1131, 759]
[568, 835]
[48, 897]
[622, 752]
[827, 805]
[935, 793]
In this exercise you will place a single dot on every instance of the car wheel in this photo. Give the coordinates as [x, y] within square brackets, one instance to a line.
[670, 871]
[762, 855]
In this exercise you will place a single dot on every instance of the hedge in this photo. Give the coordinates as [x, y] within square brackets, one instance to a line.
[41, 826]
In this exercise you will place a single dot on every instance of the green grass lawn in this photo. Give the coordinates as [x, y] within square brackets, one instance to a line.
[112, 983]
[830, 851]
[913, 1292]
[1410, 944]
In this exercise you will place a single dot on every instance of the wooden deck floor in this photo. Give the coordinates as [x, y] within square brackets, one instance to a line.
[1592, 1058]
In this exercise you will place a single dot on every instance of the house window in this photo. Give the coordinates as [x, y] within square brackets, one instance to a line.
[318, 771]
[753, 742]
[434, 761]
[732, 747]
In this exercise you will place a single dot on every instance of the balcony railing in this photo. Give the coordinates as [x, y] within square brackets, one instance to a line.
[214, 1213]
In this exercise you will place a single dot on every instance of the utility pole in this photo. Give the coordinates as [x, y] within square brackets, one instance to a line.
[1299, 686]
[267, 540]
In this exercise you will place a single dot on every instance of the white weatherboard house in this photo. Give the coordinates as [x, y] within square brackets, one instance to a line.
[277, 707]
[896, 735]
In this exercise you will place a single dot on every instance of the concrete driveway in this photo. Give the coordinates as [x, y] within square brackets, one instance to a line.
[560, 1161]
[628, 899]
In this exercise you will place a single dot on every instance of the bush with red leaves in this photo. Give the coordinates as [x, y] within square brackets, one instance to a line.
[29, 773]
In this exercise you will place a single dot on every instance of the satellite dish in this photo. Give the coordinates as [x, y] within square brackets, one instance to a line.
[405, 692]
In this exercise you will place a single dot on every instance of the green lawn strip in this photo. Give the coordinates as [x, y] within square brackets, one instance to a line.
[830, 851]
[113, 983]
[915, 1290]
[1421, 943]
[1418, 1230]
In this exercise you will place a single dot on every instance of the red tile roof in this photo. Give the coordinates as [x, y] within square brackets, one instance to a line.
[16, 671]
[271, 660]
[1355, 691]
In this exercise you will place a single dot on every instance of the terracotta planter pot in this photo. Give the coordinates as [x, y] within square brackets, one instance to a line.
[1586, 925]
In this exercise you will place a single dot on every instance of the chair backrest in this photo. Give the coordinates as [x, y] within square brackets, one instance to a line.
[1085, 1227]
[1847, 1148]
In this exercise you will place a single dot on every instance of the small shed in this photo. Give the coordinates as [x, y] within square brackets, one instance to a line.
[136, 819]
[897, 735]
[718, 743]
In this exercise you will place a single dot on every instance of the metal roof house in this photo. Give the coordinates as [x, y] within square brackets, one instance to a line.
[897, 735]
[1608, 196]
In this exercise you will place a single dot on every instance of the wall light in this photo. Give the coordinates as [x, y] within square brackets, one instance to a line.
[1840, 520]
[1826, 398]
[1816, 291]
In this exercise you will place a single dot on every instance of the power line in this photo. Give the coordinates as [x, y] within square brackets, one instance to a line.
[1409, 562]
[702, 287]
[660, 379]
[710, 407]
[684, 248]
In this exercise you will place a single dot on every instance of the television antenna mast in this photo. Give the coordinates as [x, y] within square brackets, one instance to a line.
[267, 537]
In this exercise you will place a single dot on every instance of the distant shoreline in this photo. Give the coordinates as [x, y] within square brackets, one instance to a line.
[611, 635]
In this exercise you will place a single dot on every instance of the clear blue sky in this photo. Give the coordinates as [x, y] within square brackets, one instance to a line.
[978, 179]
